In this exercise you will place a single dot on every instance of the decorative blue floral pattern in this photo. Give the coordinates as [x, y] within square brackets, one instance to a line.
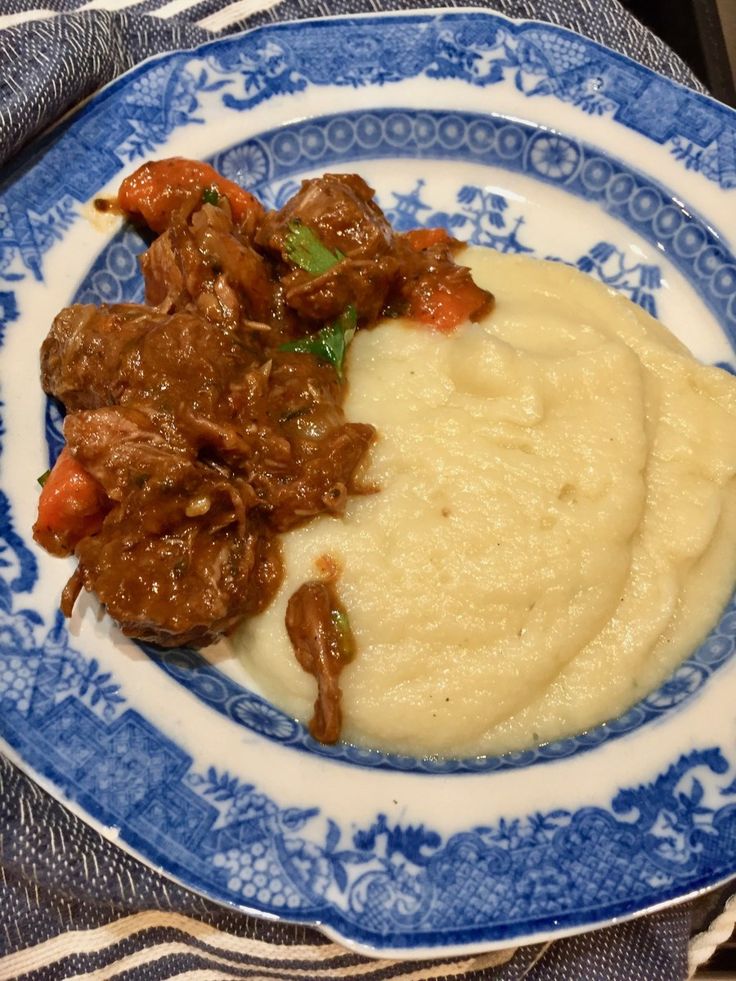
[384, 881]
[483, 217]
[542, 60]
[8, 311]
[388, 881]
[37, 664]
[635, 279]
[391, 875]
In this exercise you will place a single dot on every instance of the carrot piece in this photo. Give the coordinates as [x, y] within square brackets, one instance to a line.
[446, 305]
[159, 187]
[72, 505]
[424, 238]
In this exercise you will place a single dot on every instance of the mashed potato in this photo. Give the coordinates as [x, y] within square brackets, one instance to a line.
[555, 529]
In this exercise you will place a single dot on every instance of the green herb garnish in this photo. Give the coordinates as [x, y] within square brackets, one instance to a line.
[305, 250]
[210, 195]
[346, 641]
[44, 477]
[330, 343]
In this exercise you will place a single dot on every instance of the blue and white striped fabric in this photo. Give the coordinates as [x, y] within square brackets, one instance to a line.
[72, 905]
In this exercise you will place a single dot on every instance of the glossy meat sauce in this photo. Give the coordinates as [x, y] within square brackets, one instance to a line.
[204, 423]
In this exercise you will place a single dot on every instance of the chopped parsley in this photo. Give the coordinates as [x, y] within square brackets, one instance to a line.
[330, 343]
[44, 477]
[210, 195]
[341, 623]
[305, 250]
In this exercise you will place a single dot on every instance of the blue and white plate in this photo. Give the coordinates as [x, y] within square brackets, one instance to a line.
[517, 135]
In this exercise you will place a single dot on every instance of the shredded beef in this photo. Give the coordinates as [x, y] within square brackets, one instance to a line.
[321, 638]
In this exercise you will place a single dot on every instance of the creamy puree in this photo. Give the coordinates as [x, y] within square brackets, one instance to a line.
[555, 528]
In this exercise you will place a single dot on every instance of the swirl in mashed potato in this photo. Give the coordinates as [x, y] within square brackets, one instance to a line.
[555, 529]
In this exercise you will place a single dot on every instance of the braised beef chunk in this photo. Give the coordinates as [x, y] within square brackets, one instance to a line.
[365, 283]
[128, 355]
[340, 209]
[196, 363]
[182, 555]
[202, 425]
[185, 586]
[182, 574]
[84, 348]
[322, 482]
[341, 212]
[202, 262]
[306, 455]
